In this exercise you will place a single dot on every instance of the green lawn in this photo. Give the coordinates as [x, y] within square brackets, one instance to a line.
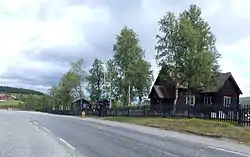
[195, 126]
[10, 103]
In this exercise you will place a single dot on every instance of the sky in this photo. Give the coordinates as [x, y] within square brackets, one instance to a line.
[39, 38]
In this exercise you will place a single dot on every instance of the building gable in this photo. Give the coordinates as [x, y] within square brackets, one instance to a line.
[230, 87]
[221, 80]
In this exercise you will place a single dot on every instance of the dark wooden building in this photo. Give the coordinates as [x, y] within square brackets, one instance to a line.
[77, 106]
[223, 94]
[100, 107]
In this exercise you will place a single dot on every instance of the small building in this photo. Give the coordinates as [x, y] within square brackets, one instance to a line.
[77, 106]
[100, 107]
[7, 97]
[223, 94]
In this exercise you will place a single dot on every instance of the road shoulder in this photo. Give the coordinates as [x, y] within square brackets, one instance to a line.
[222, 144]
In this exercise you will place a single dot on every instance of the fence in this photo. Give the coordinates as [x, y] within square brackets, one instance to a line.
[240, 116]
[235, 115]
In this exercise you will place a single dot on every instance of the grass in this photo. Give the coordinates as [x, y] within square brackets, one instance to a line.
[10, 103]
[195, 126]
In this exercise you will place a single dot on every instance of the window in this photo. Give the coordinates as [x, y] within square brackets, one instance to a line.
[207, 100]
[227, 101]
[190, 100]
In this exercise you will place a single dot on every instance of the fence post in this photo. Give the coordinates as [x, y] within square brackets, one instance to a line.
[144, 110]
[239, 115]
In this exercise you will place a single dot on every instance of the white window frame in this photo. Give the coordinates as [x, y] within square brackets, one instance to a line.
[188, 98]
[207, 100]
[227, 101]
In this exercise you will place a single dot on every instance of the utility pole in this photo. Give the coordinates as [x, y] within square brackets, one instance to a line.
[110, 91]
[129, 94]
[81, 93]
[104, 84]
[80, 88]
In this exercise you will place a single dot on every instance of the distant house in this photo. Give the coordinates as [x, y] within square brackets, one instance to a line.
[100, 103]
[224, 93]
[101, 106]
[7, 97]
[77, 106]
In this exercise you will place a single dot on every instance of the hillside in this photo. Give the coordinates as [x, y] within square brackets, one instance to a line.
[14, 90]
[245, 100]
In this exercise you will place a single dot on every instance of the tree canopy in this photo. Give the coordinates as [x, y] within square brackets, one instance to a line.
[186, 49]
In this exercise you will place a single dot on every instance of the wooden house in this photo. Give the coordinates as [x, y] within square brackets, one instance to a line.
[223, 94]
[77, 106]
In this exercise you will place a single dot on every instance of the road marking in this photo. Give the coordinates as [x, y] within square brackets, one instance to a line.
[46, 129]
[69, 145]
[35, 123]
[229, 151]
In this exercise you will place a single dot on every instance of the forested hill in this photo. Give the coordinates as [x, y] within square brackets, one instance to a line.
[6, 89]
[245, 100]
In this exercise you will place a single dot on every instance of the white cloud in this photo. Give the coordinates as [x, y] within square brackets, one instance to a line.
[235, 59]
[225, 17]
[61, 23]
[240, 8]
[20, 31]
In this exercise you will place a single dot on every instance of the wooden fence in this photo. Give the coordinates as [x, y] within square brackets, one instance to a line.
[239, 116]
[236, 115]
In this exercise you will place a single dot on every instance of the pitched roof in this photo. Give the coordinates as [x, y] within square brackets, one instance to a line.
[161, 91]
[220, 81]
[79, 99]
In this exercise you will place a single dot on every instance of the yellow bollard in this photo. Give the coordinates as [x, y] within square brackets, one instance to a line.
[83, 114]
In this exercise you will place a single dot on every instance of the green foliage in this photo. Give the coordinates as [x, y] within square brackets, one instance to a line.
[143, 79]
[96, 80]
[112, 81]
[78, 77]
[6, 89]
[33, 102]
[117, 104]
[60, 96]
[129, 67]
[65, 87]
[186, 49]
[69, 87]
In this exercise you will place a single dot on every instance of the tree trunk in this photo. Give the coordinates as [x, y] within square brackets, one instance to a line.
[175, 100]
[140, 100]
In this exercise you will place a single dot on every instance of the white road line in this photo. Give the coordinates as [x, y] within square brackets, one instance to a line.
[69, 145]
[229, 151]
[46, 129]
[35, 123]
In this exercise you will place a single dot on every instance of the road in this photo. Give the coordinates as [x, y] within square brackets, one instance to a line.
[41, 135]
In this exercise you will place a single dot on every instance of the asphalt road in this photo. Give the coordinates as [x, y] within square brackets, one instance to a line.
[44, 135]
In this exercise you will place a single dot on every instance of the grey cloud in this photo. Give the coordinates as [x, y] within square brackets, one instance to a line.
[34, 77]
[99, 37]
[49, 10]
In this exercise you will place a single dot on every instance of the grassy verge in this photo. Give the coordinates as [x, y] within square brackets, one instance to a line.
[195, 126]
[10, 104]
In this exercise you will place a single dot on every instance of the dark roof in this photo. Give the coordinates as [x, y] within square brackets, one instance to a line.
[104, 101]
[220, 81]
[161, 91]
[78, 100]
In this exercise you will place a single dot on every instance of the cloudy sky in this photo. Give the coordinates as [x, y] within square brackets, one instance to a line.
[39, 38]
